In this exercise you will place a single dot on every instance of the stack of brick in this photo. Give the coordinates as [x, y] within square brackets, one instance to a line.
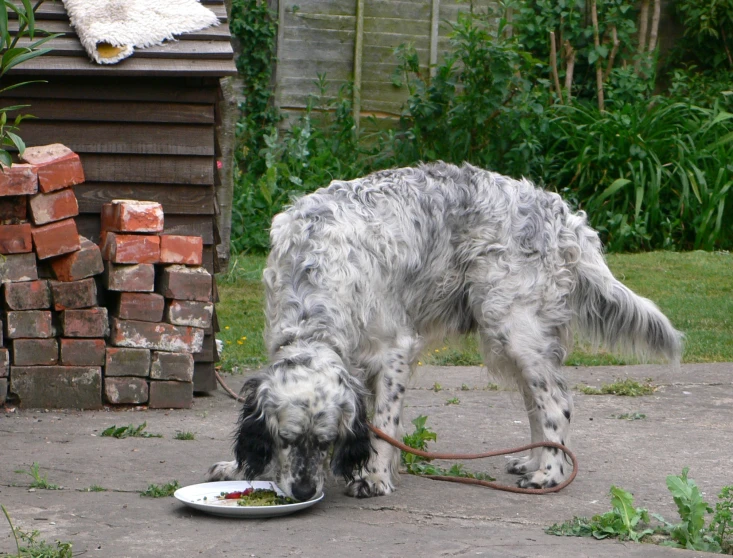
[49, 321]
[158, 319]
[61, 349]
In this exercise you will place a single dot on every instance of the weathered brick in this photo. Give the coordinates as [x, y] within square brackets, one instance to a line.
[18, 267]
[16, 239]
[32, 352]
[126, 391]
[13, 209]
[4, 362]
[160, 337]
[57, 387]
[171, 366]
[54, 206]
[132, 216]
[85, 262]
[185, 283]
[146, 307]
[18, 180]
[86, 322]
[178, 249]
[55, 239]
[27, 295]
[189, 313]
[83, 352]
[131, 248]
[129, 277]
[124, 361]
[57, 166]
[73, 294]
[170, 395]
[3, 390]
[29, 324]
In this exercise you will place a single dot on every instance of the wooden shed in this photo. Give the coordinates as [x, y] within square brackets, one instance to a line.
[146, 128]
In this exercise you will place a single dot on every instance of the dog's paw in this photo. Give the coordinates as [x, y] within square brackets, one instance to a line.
[521, 465]
[539, 479]
[368, 488]
[223, 470]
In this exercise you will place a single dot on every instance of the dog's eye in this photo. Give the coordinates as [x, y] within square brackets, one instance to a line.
[323, 445]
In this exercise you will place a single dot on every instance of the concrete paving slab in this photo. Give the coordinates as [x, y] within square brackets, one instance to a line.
[689, 422]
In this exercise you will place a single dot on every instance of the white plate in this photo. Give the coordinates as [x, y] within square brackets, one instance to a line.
[194, 495]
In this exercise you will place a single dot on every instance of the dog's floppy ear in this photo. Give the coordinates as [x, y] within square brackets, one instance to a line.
[353, 446]
[253, 443]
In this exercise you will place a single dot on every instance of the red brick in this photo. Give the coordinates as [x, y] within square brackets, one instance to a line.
[4, 363]
[18, 180]
[127, 361]
[57, 166]
[136, 278]
[87, 322]
[189, 313]
[83, 352]
[18, 267]
[159, 337]
[56, 238]
[57, 387]
[13, 209]
[185, 283]
[15, 239]
[33, 324]
[171, 366]
[32, 352]
[146, 307]
[131, 248]
[54, 206]
[170, 395]
[178, 249]
[132, 216]
[85, 262]
[73, 294]
[28, 295]
[126, 391]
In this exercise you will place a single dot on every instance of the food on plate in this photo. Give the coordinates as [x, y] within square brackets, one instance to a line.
[256, 497]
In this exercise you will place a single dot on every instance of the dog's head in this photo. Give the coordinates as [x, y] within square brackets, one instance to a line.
[296, 412]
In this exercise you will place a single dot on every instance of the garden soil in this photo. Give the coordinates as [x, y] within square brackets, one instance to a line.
[688, 423]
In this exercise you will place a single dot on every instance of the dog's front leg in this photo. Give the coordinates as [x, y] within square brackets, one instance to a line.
[378, 476]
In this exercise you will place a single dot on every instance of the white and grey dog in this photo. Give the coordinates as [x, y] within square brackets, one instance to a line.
[362, 275]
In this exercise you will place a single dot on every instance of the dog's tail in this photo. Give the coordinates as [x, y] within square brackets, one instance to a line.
[609, 313]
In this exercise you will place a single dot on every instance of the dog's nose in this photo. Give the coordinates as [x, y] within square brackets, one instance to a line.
[303, 491]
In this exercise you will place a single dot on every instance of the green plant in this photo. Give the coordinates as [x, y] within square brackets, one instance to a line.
[628, 387]
[691, 532]
[33, 546]
[453, 401]
[11, 55]
[417, 465]
[93, 488]
[185, 436]
[721, 527]
[38, 480]
[708, 31]
[161, 490]
[129, 431]
[624, 521]
[630, 416]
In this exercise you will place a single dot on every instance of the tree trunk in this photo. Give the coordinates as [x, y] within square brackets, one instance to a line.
[643, 24]
[553, 66]
[599, 66]
[654, 32]
[569, 69]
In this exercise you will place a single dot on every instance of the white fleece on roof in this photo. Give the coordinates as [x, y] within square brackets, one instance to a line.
[127, 24]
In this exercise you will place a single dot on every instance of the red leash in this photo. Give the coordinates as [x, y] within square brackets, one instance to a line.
[464, 480]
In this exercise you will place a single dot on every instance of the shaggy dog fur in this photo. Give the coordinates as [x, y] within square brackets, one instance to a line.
[364, 274]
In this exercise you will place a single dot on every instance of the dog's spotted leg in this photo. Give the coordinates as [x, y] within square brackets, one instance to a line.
[224, 470]
[379, 474]
[550, 414]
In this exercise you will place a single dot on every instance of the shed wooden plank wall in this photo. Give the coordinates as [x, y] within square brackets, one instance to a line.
[145, 128]
[319, 37]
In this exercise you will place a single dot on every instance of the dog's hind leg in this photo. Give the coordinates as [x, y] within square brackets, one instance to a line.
[534, 357]
[388, 385]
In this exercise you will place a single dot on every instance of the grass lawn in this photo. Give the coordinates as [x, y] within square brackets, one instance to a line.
[694, 289]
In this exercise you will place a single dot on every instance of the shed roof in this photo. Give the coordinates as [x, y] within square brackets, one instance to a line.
[205, 53]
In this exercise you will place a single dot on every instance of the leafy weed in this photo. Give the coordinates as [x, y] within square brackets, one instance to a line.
[185, 436]
[38, 480]
[161, 491]
[129, 431]
[627, 388]
[32, 546]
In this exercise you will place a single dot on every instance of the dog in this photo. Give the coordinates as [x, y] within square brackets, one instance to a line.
[364, 274]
